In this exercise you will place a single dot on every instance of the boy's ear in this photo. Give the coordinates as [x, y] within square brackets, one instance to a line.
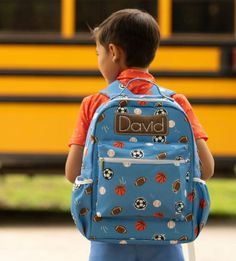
[116, 52]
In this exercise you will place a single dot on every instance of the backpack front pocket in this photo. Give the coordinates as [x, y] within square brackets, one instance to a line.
[150, 187]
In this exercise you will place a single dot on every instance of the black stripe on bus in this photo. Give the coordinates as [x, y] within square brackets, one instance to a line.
[86, 40]
[96, 73]
[78, 99]
[40, 99]
[29, 163]
[40, 163]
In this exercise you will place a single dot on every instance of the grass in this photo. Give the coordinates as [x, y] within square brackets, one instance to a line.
[223, 197]
[35, 193]
[53, 193]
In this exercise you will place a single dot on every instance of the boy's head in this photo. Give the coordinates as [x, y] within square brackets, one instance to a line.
[133, 32]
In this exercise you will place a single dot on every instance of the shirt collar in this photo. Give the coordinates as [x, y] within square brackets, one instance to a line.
[139, 86]
[129, 74]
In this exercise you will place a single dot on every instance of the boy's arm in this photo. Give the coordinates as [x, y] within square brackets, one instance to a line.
[74, 162]
[206, 159]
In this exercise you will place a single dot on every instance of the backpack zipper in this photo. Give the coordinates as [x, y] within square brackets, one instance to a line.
[142, 161]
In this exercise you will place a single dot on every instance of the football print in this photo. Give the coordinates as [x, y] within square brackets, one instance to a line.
[116, 211]
[123, 103]
[189, 217]
[101, 117]
[83, 211]
[183, 139]
[176, 186]
[89, 190]
[161, 155]
[183, 238]
[108, 173]
[140, 181]
[159, 139]
[140, 203]
[121, 229]
[137, 154]
[93, 139]
[97, 218]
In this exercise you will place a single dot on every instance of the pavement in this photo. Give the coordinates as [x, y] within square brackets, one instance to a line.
[62, 242]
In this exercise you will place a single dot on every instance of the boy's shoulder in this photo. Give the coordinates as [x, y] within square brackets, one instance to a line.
[96, 98]
[182, 100]
[91, 103]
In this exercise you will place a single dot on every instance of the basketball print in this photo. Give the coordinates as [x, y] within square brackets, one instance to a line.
[160, 177]
[140, 225]
[120, 190]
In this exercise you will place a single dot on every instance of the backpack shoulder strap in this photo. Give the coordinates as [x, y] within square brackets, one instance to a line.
[164, 91]
[113, 89]
[116, 88]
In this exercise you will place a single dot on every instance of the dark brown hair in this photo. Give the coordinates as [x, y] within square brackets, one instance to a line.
[133, 30]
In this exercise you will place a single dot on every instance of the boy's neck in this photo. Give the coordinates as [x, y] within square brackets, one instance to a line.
[138, 69]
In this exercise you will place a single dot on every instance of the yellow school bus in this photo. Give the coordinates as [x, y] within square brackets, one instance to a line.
[48, 64]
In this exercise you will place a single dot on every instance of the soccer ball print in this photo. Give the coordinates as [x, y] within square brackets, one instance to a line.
[122, 109]
[161, 112]
[137, 154]
[159, 139]
[140, 203]
[108, 173]
[179, 206]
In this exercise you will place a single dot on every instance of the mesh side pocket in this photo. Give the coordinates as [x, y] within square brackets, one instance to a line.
[81, 204]
[201, 206]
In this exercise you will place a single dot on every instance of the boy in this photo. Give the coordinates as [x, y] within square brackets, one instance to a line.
[126, 43]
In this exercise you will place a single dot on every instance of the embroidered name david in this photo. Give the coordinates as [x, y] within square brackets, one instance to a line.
[141, 125]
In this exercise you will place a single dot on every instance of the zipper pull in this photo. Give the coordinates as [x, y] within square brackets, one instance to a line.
[102, 163]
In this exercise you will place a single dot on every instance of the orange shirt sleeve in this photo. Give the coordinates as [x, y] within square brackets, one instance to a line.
[87, 109]
[199, 132]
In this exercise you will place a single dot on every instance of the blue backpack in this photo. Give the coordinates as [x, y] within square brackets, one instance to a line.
[140, 178]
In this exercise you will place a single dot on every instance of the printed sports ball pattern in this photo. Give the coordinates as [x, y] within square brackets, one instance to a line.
[138, 185]
[132, 200]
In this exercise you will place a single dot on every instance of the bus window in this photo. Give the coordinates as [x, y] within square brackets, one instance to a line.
[93, 12]
[30, 16]
[205, 16]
